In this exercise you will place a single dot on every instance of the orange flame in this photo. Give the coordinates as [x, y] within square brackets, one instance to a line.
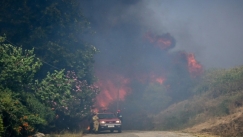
[162, 41]
[116, 88]
[160, 80]
[151, 77]
[155, 78]
[112, 90]
[195, 68]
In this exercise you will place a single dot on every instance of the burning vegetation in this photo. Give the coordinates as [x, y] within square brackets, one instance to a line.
[112, 90]
[164, 42]
[193, 66]
[115, 85]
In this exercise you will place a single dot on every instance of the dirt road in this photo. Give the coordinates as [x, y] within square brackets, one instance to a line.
[140, 134]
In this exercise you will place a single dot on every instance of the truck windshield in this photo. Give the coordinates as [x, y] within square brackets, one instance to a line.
[105, 116]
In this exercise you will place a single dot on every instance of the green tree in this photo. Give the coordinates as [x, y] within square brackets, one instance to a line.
[70, 98]
[55, 29]
[28, 105]
[17, 118]
[17, 69]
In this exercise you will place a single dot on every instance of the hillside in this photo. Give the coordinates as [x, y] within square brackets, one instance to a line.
[230, 125]
[215, 108]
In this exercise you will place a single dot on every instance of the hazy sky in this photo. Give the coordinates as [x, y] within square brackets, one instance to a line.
[211, 29]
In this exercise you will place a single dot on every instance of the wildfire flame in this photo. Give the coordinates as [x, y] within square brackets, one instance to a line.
[156, 78]
[150, 77]
[165, 41]
[160, 80]
[194, 67]
[115, 87]
[112, 90]
[118, 87]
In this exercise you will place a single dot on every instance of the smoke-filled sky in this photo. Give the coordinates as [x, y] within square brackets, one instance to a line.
[211, 29]
[152, 40]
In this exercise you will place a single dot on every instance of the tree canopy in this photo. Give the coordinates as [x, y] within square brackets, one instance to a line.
[46, 69]
[55, 29]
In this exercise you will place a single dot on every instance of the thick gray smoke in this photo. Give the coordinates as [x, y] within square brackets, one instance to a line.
[129, 34]
[212, 30]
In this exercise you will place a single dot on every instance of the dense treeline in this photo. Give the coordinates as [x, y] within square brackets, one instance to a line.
[46, 70]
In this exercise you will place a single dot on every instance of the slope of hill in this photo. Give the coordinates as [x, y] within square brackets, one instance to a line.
[216, 106]
[230, 125]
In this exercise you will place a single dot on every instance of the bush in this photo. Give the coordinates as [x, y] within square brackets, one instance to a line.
[221, 81]
[18, 120]
[59, 100]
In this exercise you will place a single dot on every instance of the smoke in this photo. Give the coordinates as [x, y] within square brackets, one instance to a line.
[133, 38]
[210, 29]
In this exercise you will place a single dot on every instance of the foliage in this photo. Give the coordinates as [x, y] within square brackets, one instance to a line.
[53, 32]
[70, 98]
[82, 98]
[54, 90]
[55, 29]
[36, 107]
[17, 67]
[28, 105]
[17, 72]
[16, 116]
[221, 81]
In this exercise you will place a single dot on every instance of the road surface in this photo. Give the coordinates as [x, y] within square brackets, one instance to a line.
[140, 134]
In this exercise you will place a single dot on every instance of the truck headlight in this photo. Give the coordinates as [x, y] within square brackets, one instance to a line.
[118, 121]
[102, 122]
